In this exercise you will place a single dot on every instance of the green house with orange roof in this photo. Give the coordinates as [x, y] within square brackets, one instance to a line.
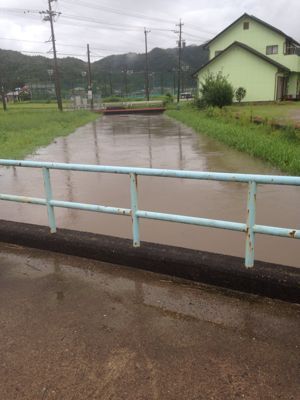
[256, 56]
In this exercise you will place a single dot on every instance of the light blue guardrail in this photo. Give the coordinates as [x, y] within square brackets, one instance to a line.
[250, 228]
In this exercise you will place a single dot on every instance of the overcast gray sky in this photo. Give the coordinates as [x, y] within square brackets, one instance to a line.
[116, 26]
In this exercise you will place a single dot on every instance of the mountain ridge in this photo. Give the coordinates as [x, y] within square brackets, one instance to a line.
[17, 69]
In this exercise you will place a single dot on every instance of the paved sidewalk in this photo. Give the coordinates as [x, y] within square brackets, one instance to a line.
[72, 328]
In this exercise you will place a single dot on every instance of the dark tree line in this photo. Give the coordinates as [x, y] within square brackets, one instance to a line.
[113, 74]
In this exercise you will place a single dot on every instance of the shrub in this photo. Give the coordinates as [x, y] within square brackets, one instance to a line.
[199, 102]
[113, 99]
[240, 94]
[168, 99]
[216, 91]
[24, 96]
[212, 112]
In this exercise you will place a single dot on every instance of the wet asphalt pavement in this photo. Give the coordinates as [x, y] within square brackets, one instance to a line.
[72, 328]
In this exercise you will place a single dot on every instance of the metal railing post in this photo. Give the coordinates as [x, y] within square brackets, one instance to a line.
[134, 209]
[251, 228]
[251, 214]
[48, 191]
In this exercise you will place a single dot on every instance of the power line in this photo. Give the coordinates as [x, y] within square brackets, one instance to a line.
[23, 40]
[102, 22]
[135, 15]
[46, 42]
[84, 19]
[118, 11]
[122, 27]
[195, 37]
[64, 45]
[62, 54]
[114, 26]
[196, 28]
[166, 35]
[72, 17]
[20, 10]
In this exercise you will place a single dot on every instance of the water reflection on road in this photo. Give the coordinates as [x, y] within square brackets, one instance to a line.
[157, 142]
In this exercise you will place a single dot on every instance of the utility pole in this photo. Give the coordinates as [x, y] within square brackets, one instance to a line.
[110, 83]
[179, 60]
[49, 14]
[185, 69]
[125, 72]
[161, 83]
[147, 91]
[173, 79]
[90, 87]
[3, 98]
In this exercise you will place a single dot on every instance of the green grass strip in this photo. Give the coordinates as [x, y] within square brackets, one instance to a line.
[281, 148]
[21, 133]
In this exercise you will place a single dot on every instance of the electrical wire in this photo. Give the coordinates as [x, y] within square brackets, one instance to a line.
[101, 22]
[118, 11]
[23, 40]
[49, 53]
[71, 17]
[20, 10]
[129, 28]
[59, 44]
[117, 27]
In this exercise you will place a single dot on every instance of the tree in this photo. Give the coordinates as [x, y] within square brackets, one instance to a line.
[240, 94]
[216, 91]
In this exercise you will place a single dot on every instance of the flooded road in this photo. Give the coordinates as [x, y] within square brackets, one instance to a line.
[158, 142]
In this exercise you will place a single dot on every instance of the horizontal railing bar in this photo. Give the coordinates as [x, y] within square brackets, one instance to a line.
[212, 223]
[90, 207]
[214, 176]
[274, 231]
[234, 226]
[67, 204]
[23, 199]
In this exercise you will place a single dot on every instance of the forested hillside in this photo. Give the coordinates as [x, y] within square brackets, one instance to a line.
[115, 73]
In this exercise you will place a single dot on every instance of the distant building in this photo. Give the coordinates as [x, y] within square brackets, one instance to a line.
[256, 56]
[12, 96]
[19, 94]
[42, 90]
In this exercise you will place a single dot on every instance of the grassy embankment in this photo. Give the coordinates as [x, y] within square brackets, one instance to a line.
[285, 111]
[279, 147]
[21, 132]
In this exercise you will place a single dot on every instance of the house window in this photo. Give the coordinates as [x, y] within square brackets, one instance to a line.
[246, 25]
[272, 49]
[217, 52]
[289, 48]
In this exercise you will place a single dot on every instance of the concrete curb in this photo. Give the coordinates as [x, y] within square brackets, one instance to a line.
[270, 280]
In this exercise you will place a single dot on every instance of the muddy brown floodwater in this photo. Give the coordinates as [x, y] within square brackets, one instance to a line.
[158, 142]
